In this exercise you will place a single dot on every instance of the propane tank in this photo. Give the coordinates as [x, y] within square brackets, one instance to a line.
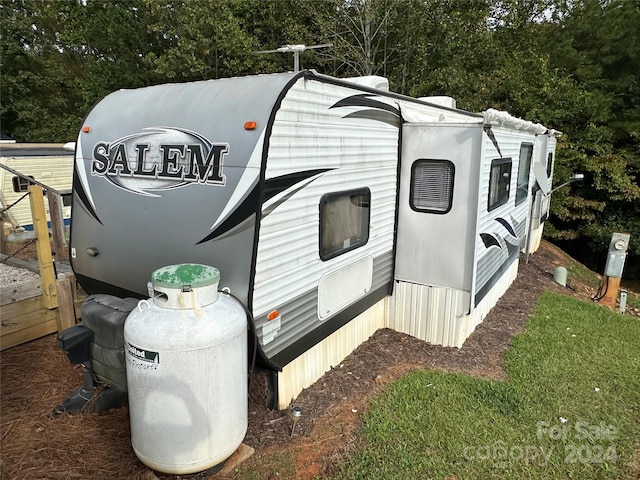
[186, 361]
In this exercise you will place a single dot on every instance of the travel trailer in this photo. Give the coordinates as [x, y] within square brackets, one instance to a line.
[49, 164]
[332, 207]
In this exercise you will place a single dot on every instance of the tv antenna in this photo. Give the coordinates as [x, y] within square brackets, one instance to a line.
[296, 49]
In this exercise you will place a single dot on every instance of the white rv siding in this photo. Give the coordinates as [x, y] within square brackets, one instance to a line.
[53, 171]
[358, 153]
[494, 259]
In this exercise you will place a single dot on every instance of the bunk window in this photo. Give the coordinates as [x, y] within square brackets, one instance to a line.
[432, 186]
[344, 222]
[524, 167]
[499, 182]
[549, 164]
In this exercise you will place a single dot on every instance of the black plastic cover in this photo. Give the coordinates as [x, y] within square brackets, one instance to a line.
[105, 315]
[76, 342]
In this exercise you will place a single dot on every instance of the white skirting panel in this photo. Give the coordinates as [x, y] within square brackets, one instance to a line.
[428, 313]
[536, 238]
[311, 365]
[435, 314]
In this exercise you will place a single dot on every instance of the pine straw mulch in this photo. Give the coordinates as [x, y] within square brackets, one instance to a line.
[37, 376]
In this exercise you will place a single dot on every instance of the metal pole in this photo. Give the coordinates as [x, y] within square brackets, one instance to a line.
[296, 61]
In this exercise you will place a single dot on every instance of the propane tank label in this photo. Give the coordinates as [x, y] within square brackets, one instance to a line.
[143, 360]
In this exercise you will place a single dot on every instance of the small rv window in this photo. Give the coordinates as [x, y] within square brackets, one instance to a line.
[499, 182]
[524, 167]
[66, 199]
[21, 184]
[344, 222]
[549, 164]
[432, 186]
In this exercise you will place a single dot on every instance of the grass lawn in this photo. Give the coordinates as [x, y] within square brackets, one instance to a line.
[570, 408]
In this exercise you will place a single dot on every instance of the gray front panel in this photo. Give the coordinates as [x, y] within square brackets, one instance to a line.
[437, 249]
[168, 174]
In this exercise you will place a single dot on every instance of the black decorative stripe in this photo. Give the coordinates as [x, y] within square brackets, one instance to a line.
[268, 210]
[376, 115]
[82, 195]
[329, 326]
[276, 185]
[482, 292]
[506, 225]
[365, 100]
[489, 240]
[91, 285]
[492, 137]
[243, 212]
[249, 205]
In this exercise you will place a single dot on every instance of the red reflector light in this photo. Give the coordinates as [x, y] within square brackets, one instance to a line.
[86, 129]
[250, 125]
[273, 315]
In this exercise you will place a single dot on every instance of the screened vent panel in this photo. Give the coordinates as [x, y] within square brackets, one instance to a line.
[432, 186]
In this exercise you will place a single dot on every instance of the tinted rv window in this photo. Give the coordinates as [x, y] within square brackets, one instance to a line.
[344, 222]
[524, 167]
[549, 164]
[499, 182]
[432, 186]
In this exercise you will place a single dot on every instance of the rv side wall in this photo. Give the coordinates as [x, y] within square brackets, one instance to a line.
[54, 171]
[321, 127]
[503, 206]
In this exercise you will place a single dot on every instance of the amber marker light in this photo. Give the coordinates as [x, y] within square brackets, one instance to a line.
[250, 125]
[273, 315]
[86, 129]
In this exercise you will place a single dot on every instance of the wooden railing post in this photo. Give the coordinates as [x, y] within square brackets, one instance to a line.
[3, 239]
[66, 312]
[43, 247]
[57, 225]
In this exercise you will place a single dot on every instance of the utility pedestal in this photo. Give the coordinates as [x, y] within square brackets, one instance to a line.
[610, 285]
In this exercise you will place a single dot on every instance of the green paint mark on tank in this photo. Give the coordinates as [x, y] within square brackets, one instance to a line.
[185, 274]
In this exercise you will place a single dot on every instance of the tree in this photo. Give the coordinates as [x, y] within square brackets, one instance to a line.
[598, 49]
[39, 98]
[201, 40]
[106, 45]
[358, 30]
[274, 23]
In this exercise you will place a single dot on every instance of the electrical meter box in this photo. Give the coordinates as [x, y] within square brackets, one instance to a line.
[617, 254]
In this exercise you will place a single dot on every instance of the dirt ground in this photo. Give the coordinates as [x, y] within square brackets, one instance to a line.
[36, 376]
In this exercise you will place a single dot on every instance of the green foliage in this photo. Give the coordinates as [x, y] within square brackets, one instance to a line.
[568, 409]
[31, 63]
[598, 49]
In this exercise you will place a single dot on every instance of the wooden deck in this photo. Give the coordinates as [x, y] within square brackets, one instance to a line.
[34, 309]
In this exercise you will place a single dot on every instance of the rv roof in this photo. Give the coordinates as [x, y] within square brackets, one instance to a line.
[34, 150]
